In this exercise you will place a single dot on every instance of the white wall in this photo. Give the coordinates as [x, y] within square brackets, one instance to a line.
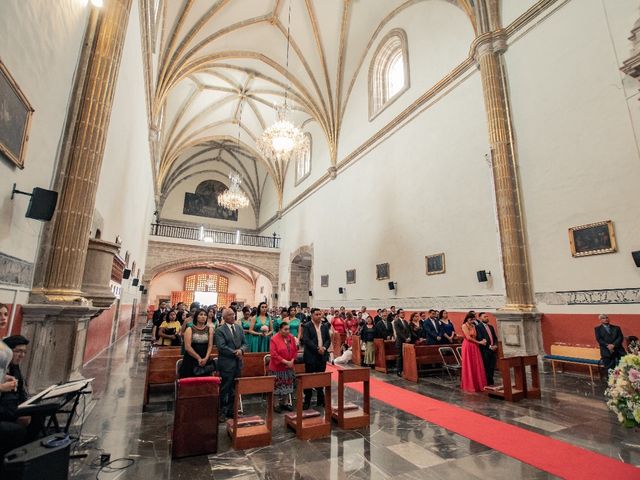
[124, 198]
[163, 285]
[39, 45]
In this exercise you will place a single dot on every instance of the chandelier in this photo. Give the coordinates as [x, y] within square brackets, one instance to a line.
[282, 140]
[233, 198]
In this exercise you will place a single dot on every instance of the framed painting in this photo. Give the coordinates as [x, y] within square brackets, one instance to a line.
[435, 264]
[592, 239]
[382, 271]
[351, 276]
[324, 280]
[15, 119]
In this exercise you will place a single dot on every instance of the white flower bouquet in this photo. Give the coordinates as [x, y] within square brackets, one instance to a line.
[623, 392]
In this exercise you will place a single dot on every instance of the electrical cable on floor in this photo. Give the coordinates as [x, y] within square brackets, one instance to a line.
[108, 468]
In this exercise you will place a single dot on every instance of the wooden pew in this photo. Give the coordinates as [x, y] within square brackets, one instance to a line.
[414, 356]
[337, 340]
[347, 416]
[310, 424]
[587, 356]
[386, 352]
[161, 369]
[356, 350]
[254, 431]
[253, 364]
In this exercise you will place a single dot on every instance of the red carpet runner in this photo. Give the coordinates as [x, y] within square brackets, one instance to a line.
[548, 454]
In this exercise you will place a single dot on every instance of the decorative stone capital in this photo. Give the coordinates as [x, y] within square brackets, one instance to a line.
[490, 42]
[333, 172]
[631, 66]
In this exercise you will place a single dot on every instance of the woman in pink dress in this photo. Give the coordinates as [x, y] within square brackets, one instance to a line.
[473, 377]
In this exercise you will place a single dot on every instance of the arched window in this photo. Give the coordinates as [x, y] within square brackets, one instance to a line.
[388, 72]
[303, 161]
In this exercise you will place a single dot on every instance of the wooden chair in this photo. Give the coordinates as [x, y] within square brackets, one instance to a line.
[450, 361]
[254, 431]
[509, 391]
[386, 351]
[348, 415]
[531, 390]
[311, 424]
[195, 435]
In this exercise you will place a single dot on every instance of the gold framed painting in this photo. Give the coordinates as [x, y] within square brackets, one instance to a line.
[435, 264]
[15, 119]
[592, 239]
[382, 271]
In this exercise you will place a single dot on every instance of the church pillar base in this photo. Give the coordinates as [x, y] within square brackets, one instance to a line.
[520, 333]
[58, 334]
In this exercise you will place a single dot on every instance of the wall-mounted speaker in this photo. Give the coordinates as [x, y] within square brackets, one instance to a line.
[340, 290]
[636, 257]
[310, 293]
[42, 203]
[141, 288]
[275, 296]
[126, 273]
[391, 285]
[482, 275]
[135, 282]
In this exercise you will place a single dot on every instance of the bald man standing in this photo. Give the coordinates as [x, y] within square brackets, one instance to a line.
[231, 344]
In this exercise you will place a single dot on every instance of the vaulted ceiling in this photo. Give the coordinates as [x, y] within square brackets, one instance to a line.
[216, 70]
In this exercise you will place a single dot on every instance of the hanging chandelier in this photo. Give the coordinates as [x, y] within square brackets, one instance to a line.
[233, 198]
[282, 140]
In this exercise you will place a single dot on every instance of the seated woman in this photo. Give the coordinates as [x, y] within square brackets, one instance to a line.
[449, 331]
[169, 331]
[283, 351]
[198, 344]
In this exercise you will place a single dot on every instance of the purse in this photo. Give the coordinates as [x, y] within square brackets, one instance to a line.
[208, 369]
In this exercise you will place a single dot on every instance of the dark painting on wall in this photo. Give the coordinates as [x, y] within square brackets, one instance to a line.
[435, 264]
[382, 271]
[15, 117]
[204, 202]
[351, 276]
[324, 280]
[592, 239]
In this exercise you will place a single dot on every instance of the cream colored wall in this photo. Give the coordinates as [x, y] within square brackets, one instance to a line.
[577, 141]
[163, 285]
[263, 283]
[39, 45]
[124, 198]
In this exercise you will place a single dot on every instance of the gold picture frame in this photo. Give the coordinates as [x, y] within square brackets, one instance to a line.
[382, 271]
[435, 264]
[15, 119]
[592, 239]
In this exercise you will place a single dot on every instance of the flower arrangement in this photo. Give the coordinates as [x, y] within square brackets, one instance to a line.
[264, 329]
[623, 390]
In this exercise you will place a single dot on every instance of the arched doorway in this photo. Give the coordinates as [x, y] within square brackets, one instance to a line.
[301, 279]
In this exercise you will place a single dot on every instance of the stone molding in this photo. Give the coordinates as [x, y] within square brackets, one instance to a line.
[14, 271]
[462, 302]
[609, 296]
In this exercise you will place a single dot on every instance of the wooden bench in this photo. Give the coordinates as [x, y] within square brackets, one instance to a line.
[386, 351]
[356, 351]
[415, 356]
[350, 416]
[310, 424]
[254, 431]
[588, 356]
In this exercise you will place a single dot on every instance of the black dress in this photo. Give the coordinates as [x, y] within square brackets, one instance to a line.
[200, 343]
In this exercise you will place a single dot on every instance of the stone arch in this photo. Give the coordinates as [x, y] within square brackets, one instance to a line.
[301, 275]
[198, 262]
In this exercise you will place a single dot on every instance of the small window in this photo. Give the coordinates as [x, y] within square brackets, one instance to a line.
[303, 162]
[388, 72]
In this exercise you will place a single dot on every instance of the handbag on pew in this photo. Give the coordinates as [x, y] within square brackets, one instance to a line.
[208, 369]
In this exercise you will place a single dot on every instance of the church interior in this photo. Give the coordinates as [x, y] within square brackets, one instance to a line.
[319, 239]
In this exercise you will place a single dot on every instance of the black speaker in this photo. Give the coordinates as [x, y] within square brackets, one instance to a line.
[144, 291]
[482, 275]
[303, 305]
[126, 273]
[392, 285]
[636, 257]
[135, 282]
[310, 293]
[340, 290]
[141, 288]
[35, 461]
[42, 204]
[275, 296]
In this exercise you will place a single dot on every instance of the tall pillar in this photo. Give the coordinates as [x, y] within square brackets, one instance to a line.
[57, 315]
[519, 324]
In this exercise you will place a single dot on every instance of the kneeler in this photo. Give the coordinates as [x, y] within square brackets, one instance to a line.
[350, 416]
[195, 417]
[252, 431]
[311, 424]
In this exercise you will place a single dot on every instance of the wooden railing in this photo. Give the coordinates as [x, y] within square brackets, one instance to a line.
[214, 236]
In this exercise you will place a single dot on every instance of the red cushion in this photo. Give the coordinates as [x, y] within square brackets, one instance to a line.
[198, 380]
[305, 414]
[246, 421]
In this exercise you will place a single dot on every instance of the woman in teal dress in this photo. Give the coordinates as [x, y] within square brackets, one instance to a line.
[246, 324]
[260, 330]
[294, 323]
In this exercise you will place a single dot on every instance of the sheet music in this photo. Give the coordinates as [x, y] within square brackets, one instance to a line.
[70, 387]
[35, 398]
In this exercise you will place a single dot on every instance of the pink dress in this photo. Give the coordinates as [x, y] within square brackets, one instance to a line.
[473, 376]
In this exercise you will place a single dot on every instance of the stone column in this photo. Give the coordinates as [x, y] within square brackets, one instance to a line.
[519, 324]
[57, 315]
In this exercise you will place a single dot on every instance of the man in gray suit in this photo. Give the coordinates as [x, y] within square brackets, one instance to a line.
[231, 346]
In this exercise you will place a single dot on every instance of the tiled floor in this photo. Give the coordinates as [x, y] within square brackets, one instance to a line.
[397, 445]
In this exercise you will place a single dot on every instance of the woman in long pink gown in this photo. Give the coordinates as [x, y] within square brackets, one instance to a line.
[473, 377]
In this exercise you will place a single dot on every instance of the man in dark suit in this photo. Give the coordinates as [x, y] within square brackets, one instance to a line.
[432, 330]
[157, 319]
[316, 340]
[384, 328]
[403, 335]
[609, 337]
[231, 345]
[484, 331]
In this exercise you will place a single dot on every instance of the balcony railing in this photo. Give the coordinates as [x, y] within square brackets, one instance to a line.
[207, 235]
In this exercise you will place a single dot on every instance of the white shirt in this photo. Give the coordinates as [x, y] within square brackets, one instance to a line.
[319, 333]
